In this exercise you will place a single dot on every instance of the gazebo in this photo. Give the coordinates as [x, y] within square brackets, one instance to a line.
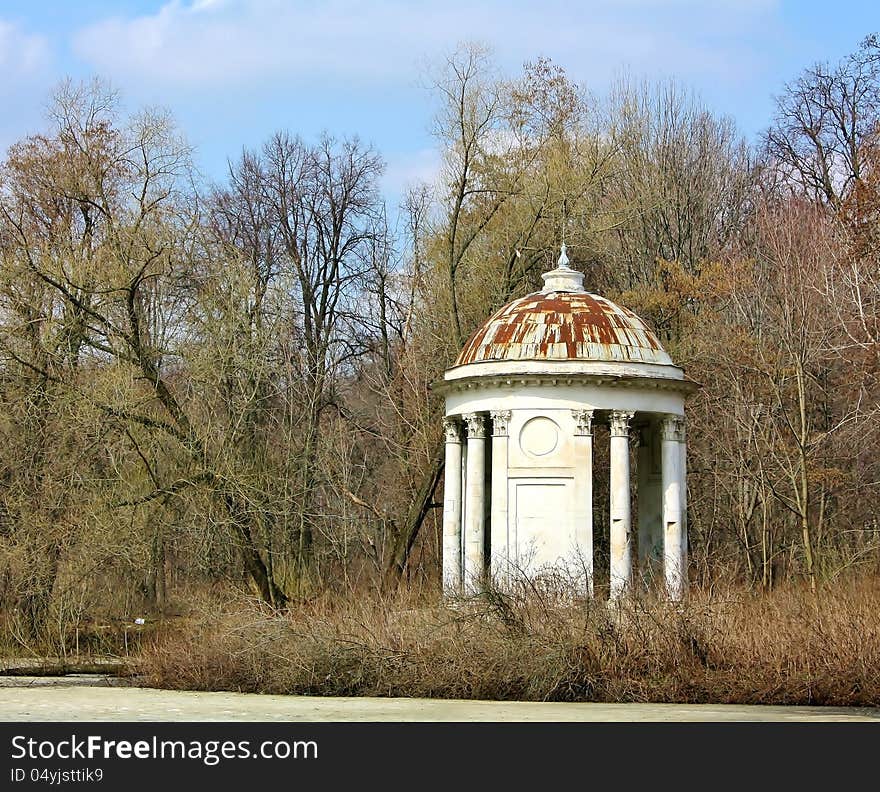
[522, 401]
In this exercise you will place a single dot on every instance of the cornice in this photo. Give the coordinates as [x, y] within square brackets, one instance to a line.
[497, 381]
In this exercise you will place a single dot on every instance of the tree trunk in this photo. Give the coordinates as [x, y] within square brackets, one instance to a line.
[34, 604]
[415, 516]
[256, 568]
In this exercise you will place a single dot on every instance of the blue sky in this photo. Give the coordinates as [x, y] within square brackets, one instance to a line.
[234, 71]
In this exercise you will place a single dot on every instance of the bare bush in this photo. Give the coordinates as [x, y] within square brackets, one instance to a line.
[728, 646]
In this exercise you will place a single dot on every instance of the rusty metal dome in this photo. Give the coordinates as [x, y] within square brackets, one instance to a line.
[563, 322]
[564, 325]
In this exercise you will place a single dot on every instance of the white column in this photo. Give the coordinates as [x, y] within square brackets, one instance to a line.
[475, 504]
[682, 447]
[583, 497]
[499, 551]
[673, 527]
[650, 504]
[452, 566]
[621, 546]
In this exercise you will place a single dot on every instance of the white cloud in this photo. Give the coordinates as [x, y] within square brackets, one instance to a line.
[411, 169]
[217, 44]
[21, 54]
[25, 61]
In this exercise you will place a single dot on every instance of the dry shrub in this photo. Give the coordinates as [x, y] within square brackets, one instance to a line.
[781, 648]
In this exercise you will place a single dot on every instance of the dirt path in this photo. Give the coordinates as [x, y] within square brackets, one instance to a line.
[104, 699]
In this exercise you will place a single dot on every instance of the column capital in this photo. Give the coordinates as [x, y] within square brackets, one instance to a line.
[452, 430]
[583, 422]
[672, 428]
[500, 422]
[476, 425]
[619, 421]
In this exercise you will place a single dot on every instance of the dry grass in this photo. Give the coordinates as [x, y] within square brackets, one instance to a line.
[739, 646]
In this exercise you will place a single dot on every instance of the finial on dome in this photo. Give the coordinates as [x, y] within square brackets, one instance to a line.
[563, 278]
[563, 258]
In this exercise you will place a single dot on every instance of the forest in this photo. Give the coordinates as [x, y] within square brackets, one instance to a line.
[217, 414]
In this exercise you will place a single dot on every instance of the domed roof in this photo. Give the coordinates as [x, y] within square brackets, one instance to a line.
[564, 322]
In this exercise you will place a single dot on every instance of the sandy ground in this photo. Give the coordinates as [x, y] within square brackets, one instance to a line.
[91, 698]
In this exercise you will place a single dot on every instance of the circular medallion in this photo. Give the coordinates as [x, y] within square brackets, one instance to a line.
[539, 437]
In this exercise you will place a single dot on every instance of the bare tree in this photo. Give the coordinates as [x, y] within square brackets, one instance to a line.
[823, 118]
[306, 219]
[680, 187]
